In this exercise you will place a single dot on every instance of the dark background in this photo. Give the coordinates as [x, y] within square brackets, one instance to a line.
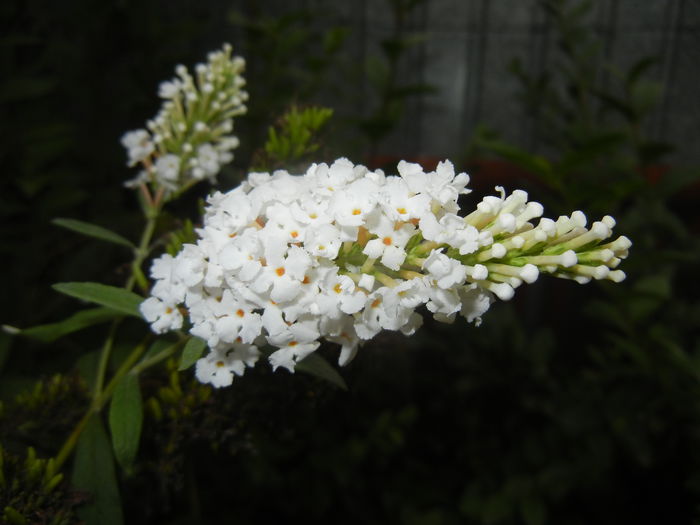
[569, 404]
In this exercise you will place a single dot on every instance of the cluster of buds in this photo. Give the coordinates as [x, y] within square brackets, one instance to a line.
[190, 138]
[341, 253]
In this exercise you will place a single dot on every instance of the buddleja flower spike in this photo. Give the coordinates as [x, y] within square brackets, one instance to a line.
[341, 253]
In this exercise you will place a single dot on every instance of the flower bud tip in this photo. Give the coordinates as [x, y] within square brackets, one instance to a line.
[498, 250]
[568, 259]
[579, 218]
[529, 273]
[617, 276]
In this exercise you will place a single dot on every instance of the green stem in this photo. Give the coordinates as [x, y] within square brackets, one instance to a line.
[147, 363]
[139, 256]
[72, 440]
[125, 368]
[425, 247]
[104, 361]
[101, 395]
[98, 403]
[142, 251]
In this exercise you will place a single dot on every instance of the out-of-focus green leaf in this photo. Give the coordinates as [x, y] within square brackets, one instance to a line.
[530, 162]
[26, 88]
[658, 285]
[92, 230]
[317, 366]
[115, 298]
[125, 419]
[191, 353]
[533, 511]
[86, 365]
[638, 69]
[82, 319]
[93, 472]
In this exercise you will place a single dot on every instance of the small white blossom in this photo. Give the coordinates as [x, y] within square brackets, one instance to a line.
[138, 144]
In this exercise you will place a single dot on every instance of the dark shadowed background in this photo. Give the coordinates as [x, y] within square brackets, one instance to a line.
[569, 405]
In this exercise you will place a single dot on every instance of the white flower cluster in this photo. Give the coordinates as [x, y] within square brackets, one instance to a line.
[190, 138]
[341, 253]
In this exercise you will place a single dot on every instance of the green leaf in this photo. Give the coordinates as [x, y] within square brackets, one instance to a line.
[82, 319]
[115, 298]
[125, 419]
[533, 511]
[639, 69]
[317, 366]
[86, 365]
[93, 472]
[92, 230]
[192, 351]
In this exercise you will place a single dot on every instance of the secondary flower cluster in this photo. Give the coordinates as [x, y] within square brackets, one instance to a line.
[190, 138]
[341, 253]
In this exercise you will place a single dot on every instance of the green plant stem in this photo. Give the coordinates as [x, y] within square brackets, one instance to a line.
[140, 255]
[160, 356]
[100, 401]
[143, 249]
[72, 440]
[104, 361]
[102, 394]
[125, 368]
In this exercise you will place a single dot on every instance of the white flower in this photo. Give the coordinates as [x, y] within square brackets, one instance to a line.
[138, 144]
[168, 169]
[207, 164]
[390, 242]
[353, 203]
[219, 367]
[162, 316]
[169, 88]
[342, 253]
[446, 271]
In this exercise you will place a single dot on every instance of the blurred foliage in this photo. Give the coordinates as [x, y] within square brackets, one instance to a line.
[293, 141]
[32, 492]
[567, 406]
[382, 71]
[634, 403]
[291, 58]
[42, 416]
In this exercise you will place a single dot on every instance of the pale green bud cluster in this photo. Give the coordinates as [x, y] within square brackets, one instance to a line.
[519, 251]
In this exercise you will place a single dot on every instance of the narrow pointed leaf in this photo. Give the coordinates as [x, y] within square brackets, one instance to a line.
[317, 366]
[125, 419]
[93, 472]
[115, 298]
[83, 319]
[92, 230]
[192, 352]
